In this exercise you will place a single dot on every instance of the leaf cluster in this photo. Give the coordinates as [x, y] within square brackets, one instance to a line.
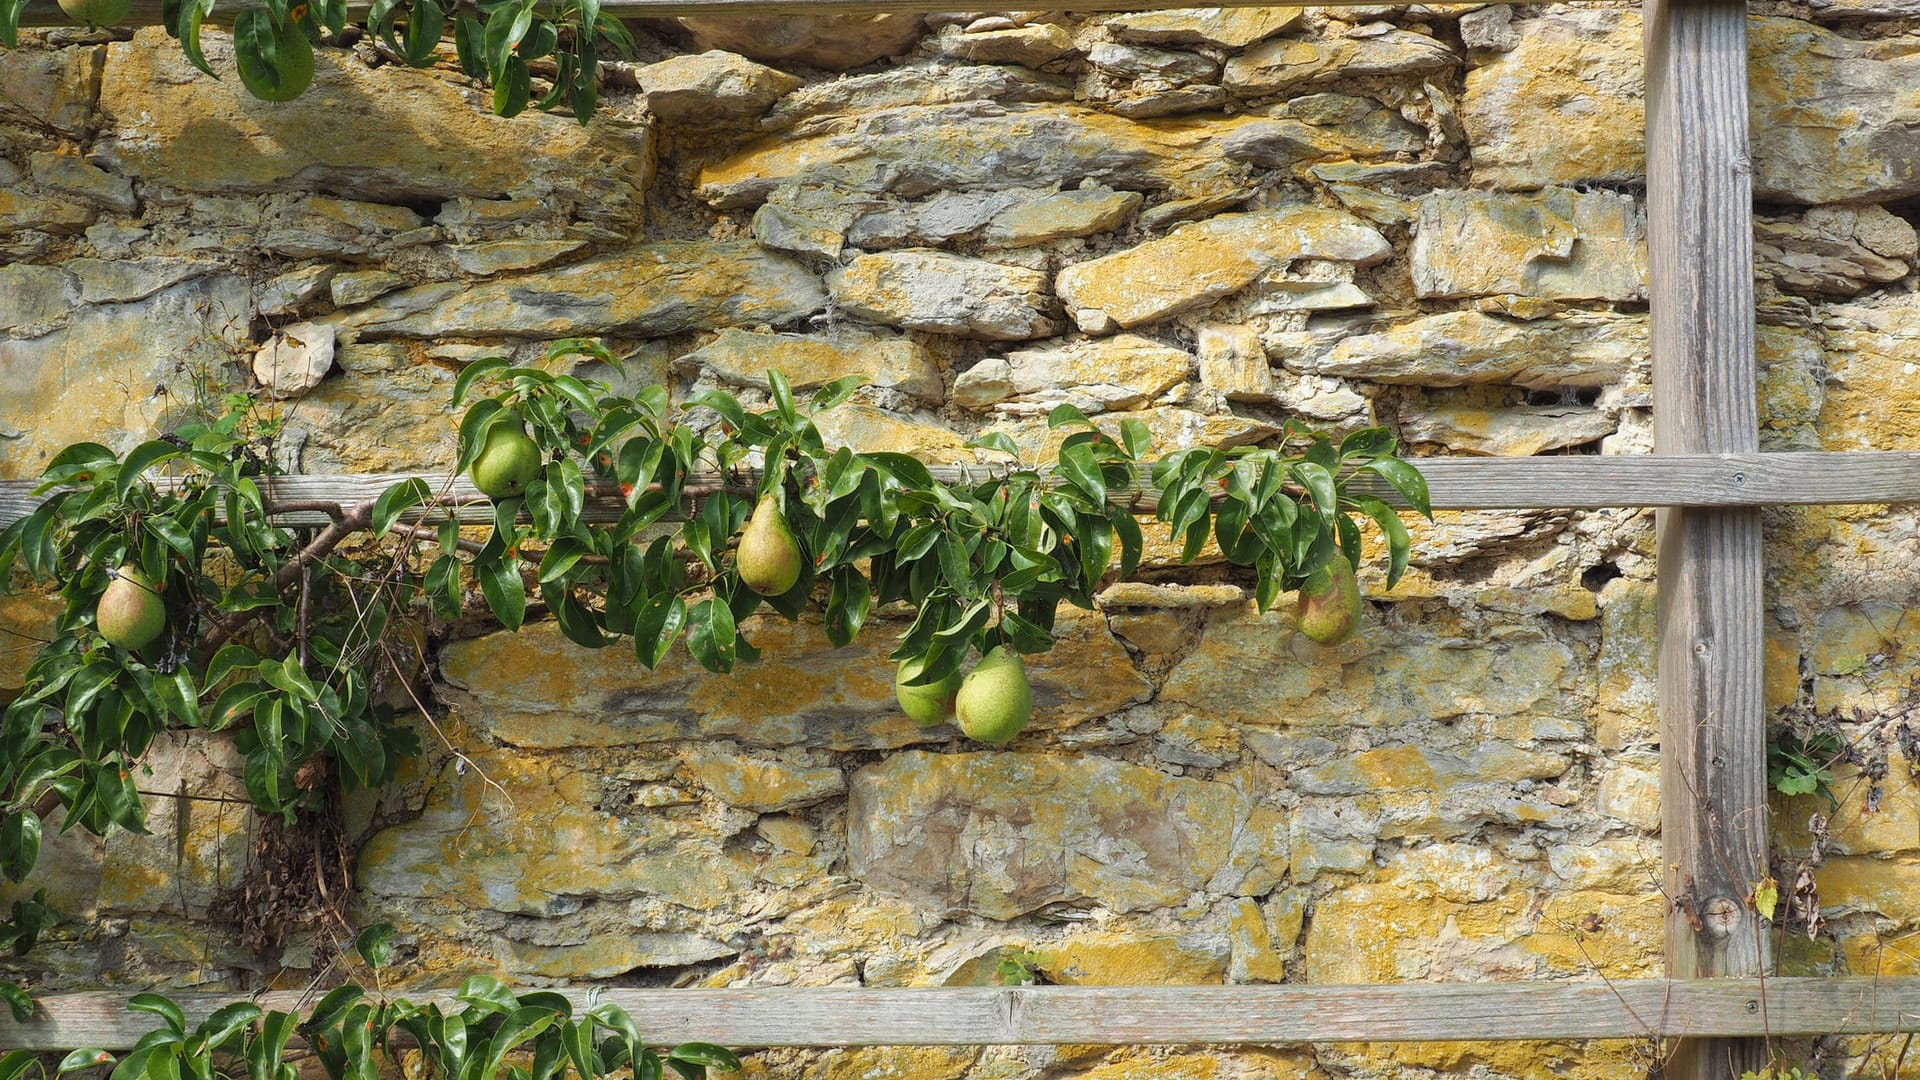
[351, 1033]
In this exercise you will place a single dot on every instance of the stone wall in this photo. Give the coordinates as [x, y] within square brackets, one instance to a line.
[1428, 217]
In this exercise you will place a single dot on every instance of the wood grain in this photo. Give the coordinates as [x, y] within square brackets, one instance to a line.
[1462, 483]
[1711, 666]
[1123, 1015]
[44, 13]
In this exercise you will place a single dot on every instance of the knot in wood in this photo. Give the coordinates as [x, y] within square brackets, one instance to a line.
[1720, 916]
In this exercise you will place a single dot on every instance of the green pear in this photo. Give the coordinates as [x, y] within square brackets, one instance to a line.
[1328, 608]
[507, 463]
[130, 613]
[96, 12]
[256, 38]
[930, 703]
[995, 699]
[769, 559]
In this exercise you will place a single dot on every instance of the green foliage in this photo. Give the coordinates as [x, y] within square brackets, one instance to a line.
[279, 638]
[1800, 762]
[351, 1032]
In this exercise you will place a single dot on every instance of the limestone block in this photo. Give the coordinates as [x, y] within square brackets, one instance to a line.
[917, 150]
[874, 431]
[68, 175]
[1233, 363]
[54, 87]
[307, 227]
[1316, 127]
[1145, 104]
[1283, 64]
[360, 286]
[763, 782]
[1028, 46]
[32, 298]
[295, 359]
[1870, 401]
[1562, 104]
[1124, 372]
[1207, 261]
[888, 361]
[1060, 215]
[534, 689]
[1119, 959]
[944, 294]
[1834, 250]
[1557, 244]
[1833, 119]
[998, 219]
[833, 42]
[50, 212]
[114, 373]
[713, 88]
[1173, 67]
[1002, 834]
[122, 281]
[1465, 347]
[386, 133]
[607, 956]
[499, 256]
[1467, 426]
[937, 83]
[652, 289]
[1231, 28]
[1254, 669]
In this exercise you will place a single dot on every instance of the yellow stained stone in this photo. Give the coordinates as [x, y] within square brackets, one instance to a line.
[1132, 960]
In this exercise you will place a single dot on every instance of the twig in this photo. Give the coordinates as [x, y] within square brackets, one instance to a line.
[329, 538]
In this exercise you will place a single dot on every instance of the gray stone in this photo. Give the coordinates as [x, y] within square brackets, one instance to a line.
[1147, 105]
[1008, 218]
[1556, 244]
[946, 294]
[23, 210]
[939, 83]
[318, 226]
[1143, 62]
[833, 42]
[68, 175]
[1474, 427]
[1229, 28]
[57, 88]
[106, 281]
[1002, 834]
[32, 298]
[1465, 347]
[887, 361]
[1233, 363]
[1561, 103]
[1206, 261]
[1028, 46]
[487, 259]
[1097, 375]
[1834, 250]
[1289, 63]
[295, 359]
[711, 89]
[1059, 216]
[1834, 119]
[360, 286]
[1322, 126]
[988, 382]
[286, 293]
[652, 289]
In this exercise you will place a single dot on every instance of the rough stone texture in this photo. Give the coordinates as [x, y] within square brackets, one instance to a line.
[1000, 835]
[167, 123]
[711, 88]
[1468, 791]
[295, 359]
[1291, 63]
[1560, 103]
[1558, 244]
[944, 294]
[809, 360]
[1208, 261]
[652, 289]
[1124, 372]
[834, 42]
[1232, 28]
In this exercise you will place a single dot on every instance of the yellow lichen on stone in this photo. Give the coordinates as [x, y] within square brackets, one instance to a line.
[1132, 960]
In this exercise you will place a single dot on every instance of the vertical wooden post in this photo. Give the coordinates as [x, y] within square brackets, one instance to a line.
[1712, 726]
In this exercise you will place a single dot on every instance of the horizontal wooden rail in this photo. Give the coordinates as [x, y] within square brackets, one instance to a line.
[1113, 1015]
[42, 13]
[1576, 482]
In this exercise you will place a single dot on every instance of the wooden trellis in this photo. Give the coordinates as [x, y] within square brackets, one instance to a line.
[1709, 482]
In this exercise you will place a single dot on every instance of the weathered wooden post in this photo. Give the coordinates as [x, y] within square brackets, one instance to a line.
[1712, 726]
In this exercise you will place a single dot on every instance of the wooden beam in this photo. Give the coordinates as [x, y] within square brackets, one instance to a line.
[1138, 1015]
[1712, 720]
[45, 13]
[1461, 483]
